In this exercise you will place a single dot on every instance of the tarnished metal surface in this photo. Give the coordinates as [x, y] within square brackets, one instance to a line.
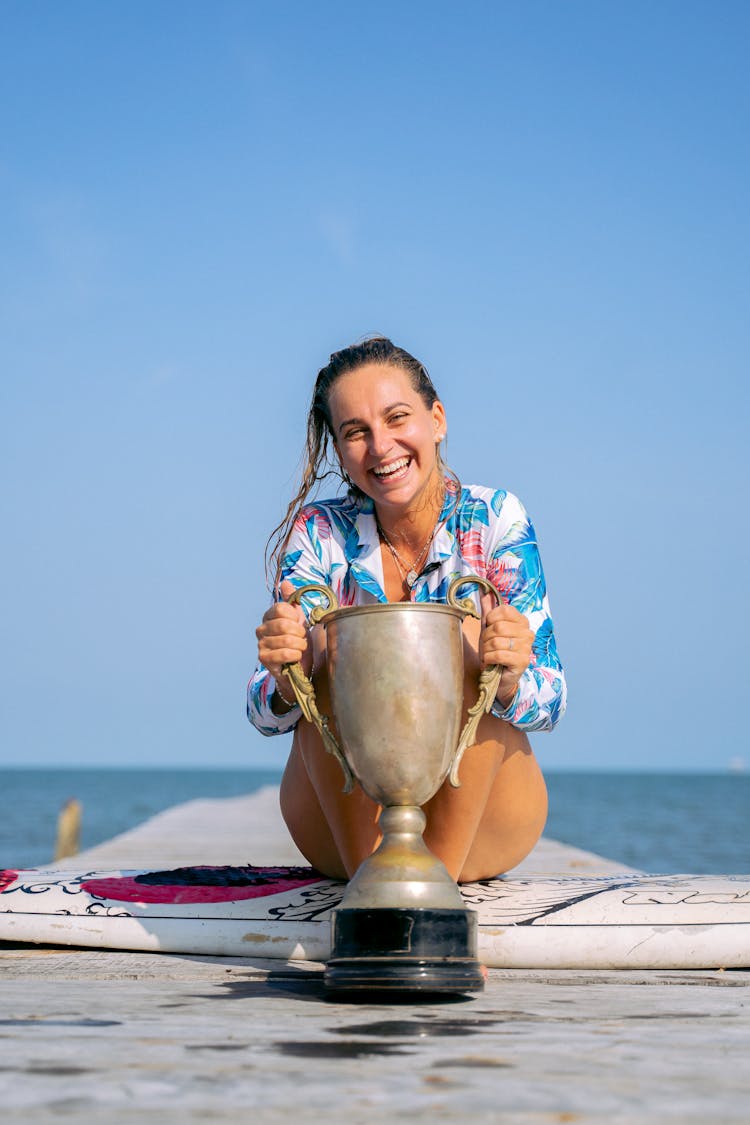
[396, 681]
[403, 871]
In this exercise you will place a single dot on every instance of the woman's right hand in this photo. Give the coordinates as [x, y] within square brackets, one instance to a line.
[284, 638]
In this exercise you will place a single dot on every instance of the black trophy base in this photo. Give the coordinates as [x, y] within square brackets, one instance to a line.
[404, 950]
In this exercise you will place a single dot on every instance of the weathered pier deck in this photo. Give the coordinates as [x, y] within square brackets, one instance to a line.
[122, 1037]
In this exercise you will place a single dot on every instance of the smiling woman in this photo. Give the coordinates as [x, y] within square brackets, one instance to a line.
[387, 444]
[404, 530]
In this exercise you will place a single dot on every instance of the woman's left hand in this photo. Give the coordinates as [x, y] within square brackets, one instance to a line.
[506, 639]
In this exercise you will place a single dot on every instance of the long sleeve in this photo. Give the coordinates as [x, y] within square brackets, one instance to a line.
[514, 566]
[259, 691]
[303, 562]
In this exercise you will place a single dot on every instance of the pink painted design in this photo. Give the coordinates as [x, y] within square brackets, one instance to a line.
[346, 594]
[472, 551]
[520, 709]
[314, 516]
[7, 878]
[502, 575]
[202, 884]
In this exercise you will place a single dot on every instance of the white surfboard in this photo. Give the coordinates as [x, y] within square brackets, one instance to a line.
[619, 921]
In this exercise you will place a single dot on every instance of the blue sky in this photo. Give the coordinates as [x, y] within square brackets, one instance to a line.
[547, 203]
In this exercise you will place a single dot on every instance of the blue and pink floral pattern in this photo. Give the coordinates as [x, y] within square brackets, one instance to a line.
[482, 531]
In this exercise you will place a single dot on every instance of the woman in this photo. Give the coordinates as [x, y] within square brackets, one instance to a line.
[405, 529]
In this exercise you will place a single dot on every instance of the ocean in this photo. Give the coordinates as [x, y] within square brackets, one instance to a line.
[658, 822]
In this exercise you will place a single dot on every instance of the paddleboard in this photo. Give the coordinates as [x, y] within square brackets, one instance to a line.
[619, 921]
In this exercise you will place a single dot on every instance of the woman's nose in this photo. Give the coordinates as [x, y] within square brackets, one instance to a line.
[379, 441]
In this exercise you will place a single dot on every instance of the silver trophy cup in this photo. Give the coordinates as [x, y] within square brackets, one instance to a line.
[396, 684]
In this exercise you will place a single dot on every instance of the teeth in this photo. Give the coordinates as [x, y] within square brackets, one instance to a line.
[392, 468]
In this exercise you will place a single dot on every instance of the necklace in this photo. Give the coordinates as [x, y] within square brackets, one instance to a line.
[409, 574]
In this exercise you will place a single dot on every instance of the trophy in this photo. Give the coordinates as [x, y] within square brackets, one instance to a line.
[396, 686]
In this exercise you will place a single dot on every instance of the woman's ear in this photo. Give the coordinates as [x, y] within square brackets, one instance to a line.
[439, 420]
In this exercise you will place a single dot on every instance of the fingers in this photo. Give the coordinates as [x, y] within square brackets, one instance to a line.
[504, 613]
[275, 659]
[506, 639]
[283, 636]
[278, 634]
[282, 611]
[487, 603]
[287, 614]
[282, 632]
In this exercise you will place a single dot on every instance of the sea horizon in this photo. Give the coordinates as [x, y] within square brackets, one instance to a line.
[267, 768]
[659, 820]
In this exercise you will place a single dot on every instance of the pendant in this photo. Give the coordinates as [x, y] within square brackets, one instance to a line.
[411, 578]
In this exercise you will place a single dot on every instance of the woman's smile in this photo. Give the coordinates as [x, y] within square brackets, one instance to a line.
[385, 436]
[392, 470]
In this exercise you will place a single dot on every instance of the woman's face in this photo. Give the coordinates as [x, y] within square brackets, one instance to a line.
[385, 436]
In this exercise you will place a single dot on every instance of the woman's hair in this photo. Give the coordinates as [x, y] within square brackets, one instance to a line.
[319, 459]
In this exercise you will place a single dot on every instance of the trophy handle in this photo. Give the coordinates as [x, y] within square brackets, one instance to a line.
[489, 678]
[303, 687]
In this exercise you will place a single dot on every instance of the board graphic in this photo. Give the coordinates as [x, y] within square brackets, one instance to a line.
[605, 921]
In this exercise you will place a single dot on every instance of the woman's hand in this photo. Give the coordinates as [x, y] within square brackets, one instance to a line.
[284, 638]
[506, 639]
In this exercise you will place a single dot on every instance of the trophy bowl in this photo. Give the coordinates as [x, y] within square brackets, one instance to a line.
[396, 686]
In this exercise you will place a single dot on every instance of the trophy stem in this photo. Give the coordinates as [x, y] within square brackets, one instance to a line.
[402, 925]
[402, 871]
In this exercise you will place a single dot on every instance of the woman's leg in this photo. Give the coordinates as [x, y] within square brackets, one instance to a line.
[483, 828]
[479, 830]
[333, 830]
[495, 818]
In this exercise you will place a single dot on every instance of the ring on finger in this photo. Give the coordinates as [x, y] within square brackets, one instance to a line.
[511, 643]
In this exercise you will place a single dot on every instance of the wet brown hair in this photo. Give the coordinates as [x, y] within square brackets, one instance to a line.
[319, 459]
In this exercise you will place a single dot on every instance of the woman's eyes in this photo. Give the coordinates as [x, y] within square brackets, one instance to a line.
[393, 419]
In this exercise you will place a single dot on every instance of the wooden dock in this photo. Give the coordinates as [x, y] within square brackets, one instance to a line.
[122, 1037]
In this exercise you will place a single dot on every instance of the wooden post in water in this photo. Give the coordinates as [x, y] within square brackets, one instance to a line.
[69, 829]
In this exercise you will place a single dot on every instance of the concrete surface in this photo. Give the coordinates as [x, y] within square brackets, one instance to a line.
[95, 1036]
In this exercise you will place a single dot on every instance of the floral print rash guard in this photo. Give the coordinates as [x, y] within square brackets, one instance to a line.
[484, 532]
